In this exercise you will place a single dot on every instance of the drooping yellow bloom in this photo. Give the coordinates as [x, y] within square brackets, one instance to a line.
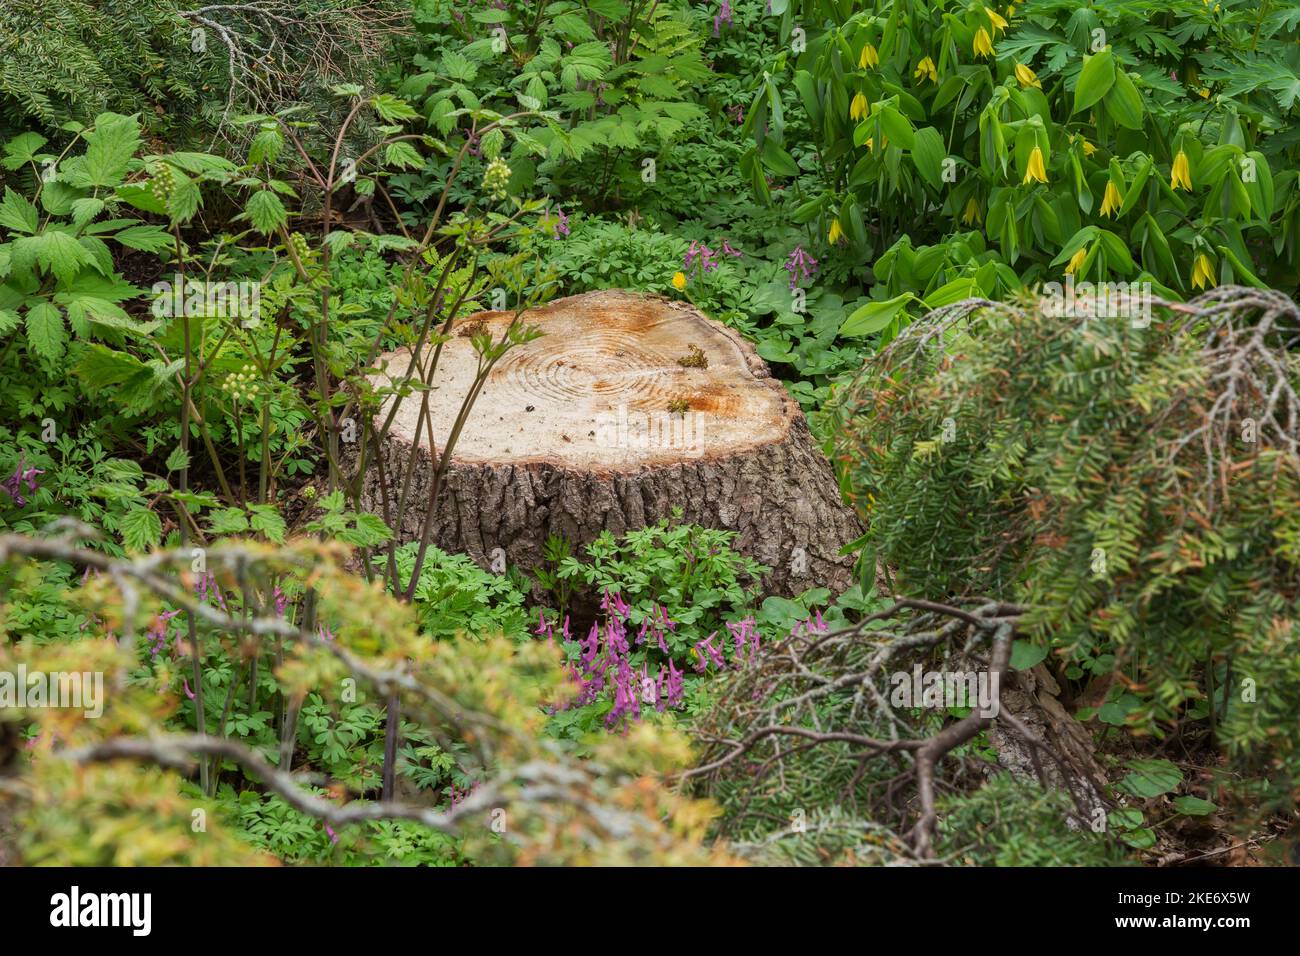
[1076, 262]
[679, 281]
[1011, 10]
[836, 233]
[1035, 172]
[1027, 77]
[1111, 201]
[869, 58]
[870, 144]
[972, 213]
[1203, 272]
[925, 70]
[1181, 177]
[1088, 148]
[859, 108]
[1205, 92]
[997, 21]
[983, 44]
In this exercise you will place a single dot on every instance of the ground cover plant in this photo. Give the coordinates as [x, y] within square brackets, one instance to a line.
[1027, 273]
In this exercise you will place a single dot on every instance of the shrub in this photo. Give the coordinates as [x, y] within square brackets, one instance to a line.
[1137, 488]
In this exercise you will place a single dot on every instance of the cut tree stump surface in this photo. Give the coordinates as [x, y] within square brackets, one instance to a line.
[584, 429]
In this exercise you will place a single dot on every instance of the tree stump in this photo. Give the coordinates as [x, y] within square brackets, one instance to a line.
[627, 407]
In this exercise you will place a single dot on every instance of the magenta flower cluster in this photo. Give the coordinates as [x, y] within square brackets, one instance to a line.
[700, 258]
[13, 485]
[604, 662]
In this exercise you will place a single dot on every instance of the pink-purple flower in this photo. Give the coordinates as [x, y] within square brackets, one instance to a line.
[559, 225]
[723, 16]
[13, 485]
[801, 266]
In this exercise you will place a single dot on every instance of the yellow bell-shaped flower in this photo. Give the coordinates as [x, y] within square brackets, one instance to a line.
[983, 44]
[997, 22]
[1181, 177]
[869, 58]
[859, 108]
[1035, 171]
[925, 70]
[1203, 272]
[836, 233]
[1076, 262]
[972, 213]
[1027, 77]
[1111, 201]
[679, 281]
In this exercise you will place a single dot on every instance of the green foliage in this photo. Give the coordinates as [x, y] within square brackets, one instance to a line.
[455, 597]
[1101, 141]
[1094, 471]
[1011, 822]
[80, 58]
[690, 572]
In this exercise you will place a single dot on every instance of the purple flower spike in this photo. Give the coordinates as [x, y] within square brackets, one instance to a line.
[13, 485]
[723, 16]
[801, 266]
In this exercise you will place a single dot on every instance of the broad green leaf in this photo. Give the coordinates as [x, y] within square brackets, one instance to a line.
[1025, 655]
[1194, 806]
[874, 316]
[1124, 102]
[1150, 778]
[1095, 80]
[928, 153]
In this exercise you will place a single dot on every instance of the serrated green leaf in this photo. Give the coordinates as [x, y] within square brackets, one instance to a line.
[141, 530]
[46, 333]
[178, 459]
[17, 214]
[265, 211]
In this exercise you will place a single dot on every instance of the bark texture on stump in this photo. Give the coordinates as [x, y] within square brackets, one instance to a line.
[584, 430]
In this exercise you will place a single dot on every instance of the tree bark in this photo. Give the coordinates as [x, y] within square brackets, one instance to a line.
[626, 408]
